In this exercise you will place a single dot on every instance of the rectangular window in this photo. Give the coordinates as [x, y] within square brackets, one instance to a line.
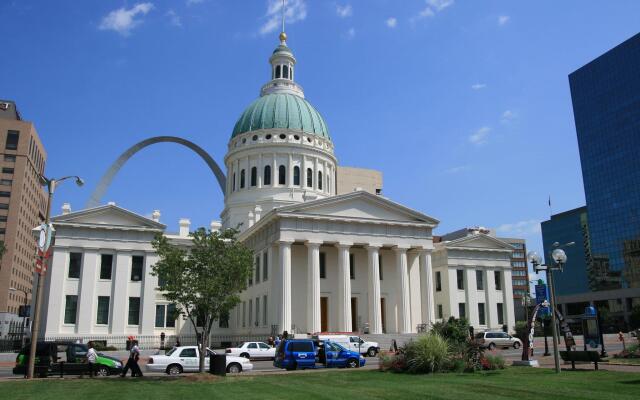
[10, 158]
[3, 218]
[481, 318]
[462, 308]
[440, 311]
[244, 314]
[102, 317]
[250, 312]
[5, 194]
[75, 260]
[257, 311]
[171, 316]
[70, 309]
[352, 266]
[500, 313]
[498, 278]
[380, 265]
[460, 276]
[257, 269]
[264, 310]
[323, 266]
[438, 281]
[12, 140]
[6, 182]
[479, 280]
[160, 311]
[106, 261]
[223, 322]
[4, 206]
[265, 265]
[134, 311]
[7, 170]
[136, 268]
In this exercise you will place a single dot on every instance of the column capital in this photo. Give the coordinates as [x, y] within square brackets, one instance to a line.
[285, 242]
[342, 245]
[373, 246]
[313, 243]
[401, 248]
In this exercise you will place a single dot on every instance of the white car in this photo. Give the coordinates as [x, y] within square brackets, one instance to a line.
[186, 359]
[353, 342]
[253, 351]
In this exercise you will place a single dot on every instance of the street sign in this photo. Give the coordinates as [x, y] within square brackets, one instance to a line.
[44, 240]
[542, 295]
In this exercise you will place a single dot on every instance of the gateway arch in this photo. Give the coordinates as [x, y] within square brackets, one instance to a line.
[106, 179]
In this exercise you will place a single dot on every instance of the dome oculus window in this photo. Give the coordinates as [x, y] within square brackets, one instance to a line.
[254, 138]
[244, 140]
[296, 137]
[283, 136]
[268, 137]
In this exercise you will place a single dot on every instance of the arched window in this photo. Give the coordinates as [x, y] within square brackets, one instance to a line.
[282, 175]
[277, 71]
[309, 177]
[234, 181]
[242, 179]
[254, 176]
[319, 180]
[267, 175]
[296, 175]
[285, 72]
[291, 72]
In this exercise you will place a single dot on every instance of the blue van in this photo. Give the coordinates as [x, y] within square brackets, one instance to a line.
[308, 353]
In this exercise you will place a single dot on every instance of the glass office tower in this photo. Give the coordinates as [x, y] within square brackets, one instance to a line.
[606, 107]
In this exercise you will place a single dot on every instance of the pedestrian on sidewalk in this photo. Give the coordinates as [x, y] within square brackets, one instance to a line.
[91, 359]
[132, 361]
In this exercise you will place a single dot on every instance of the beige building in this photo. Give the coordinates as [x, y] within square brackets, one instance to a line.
[22, 207]
[350, 179]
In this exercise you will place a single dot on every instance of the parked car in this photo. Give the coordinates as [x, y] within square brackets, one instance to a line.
[253, 351]
[491, 340]
[187, 359]
[353, 342]
[53, 358]
[309, 353]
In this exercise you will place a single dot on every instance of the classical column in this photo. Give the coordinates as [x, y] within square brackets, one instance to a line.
[87, 290]
[490, 299]
[404, 307]
[426, 288]
[148, 295]
[344, 288]
[507, 295]
[53, 309]
[313, 287]
[290, 172]
[259, 172]
[471, 298]
[375, 315]
[284, 321]
[120, 293]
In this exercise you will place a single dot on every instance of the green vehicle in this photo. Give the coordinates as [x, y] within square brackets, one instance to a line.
[65, 358]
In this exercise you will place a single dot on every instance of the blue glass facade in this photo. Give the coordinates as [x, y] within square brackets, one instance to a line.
[566, 227]
[606, 107]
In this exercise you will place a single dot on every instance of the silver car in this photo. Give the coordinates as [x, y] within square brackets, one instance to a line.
[491, 340]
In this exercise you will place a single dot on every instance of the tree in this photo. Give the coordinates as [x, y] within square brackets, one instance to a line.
[203, 280]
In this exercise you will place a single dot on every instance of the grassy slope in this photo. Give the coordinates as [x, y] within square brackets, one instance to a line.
[509, 384]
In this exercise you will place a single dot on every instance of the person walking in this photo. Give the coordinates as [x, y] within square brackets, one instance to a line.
[132, 361]
[91, 359]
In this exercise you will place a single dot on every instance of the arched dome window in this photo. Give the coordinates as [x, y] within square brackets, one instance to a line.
[254, 176]
[242, 179]
[277, 71]
[267, 175]
[319, 180]
[296, 175]
[309, 177]
[285, 72]
[282, 175]
[234, 182]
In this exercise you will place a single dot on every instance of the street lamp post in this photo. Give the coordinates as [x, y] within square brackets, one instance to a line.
[35, 326]
[24, 318]
[559, 259]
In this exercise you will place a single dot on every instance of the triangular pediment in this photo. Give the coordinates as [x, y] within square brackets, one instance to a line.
[108, 215]
[360, 205]
[479, 241]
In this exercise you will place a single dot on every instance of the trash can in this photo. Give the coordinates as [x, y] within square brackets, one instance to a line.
[218, 364]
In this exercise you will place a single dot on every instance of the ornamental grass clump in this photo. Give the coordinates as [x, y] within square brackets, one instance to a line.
[429, 353]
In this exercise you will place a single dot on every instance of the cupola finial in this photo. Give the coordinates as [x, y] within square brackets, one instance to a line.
[283, 35]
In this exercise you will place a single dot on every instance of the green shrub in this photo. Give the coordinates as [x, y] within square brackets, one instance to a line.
[456, 331]
[458, 365]
[490, 362]
[429, 353]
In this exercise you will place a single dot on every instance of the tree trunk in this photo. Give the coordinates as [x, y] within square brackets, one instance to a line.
[203, 351]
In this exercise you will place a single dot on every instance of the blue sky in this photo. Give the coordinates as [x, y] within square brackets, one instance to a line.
[463, 105]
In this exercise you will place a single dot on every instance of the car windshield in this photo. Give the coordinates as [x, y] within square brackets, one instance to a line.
[170, 352]
[242, 344]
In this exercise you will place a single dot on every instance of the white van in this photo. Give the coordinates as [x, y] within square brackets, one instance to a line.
[352, 342]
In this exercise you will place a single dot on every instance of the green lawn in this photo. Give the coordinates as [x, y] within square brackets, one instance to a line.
[513, 383]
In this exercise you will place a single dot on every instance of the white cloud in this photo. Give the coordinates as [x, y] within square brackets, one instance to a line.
[478, 86]
[174, 19]
[520, 228]
[457, 169]
[503, 19]
[124, 20]
[296, 10]
[344, 11]
[432, 7]
[391, 22]
[440, 5]
[351, 33]
[507, 116]
[480, 136]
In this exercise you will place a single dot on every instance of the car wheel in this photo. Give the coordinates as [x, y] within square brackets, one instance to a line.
[174, 369]
[234, 368]
[352, 363]
[102, 371]
[492, 346]
[372, 352]
[245, 355]
[516, 345]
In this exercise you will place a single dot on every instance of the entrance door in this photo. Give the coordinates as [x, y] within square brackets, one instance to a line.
[383, 314]
[324, 314]
[354, 314]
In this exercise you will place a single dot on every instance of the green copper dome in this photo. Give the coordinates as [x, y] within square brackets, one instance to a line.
[284, 111]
